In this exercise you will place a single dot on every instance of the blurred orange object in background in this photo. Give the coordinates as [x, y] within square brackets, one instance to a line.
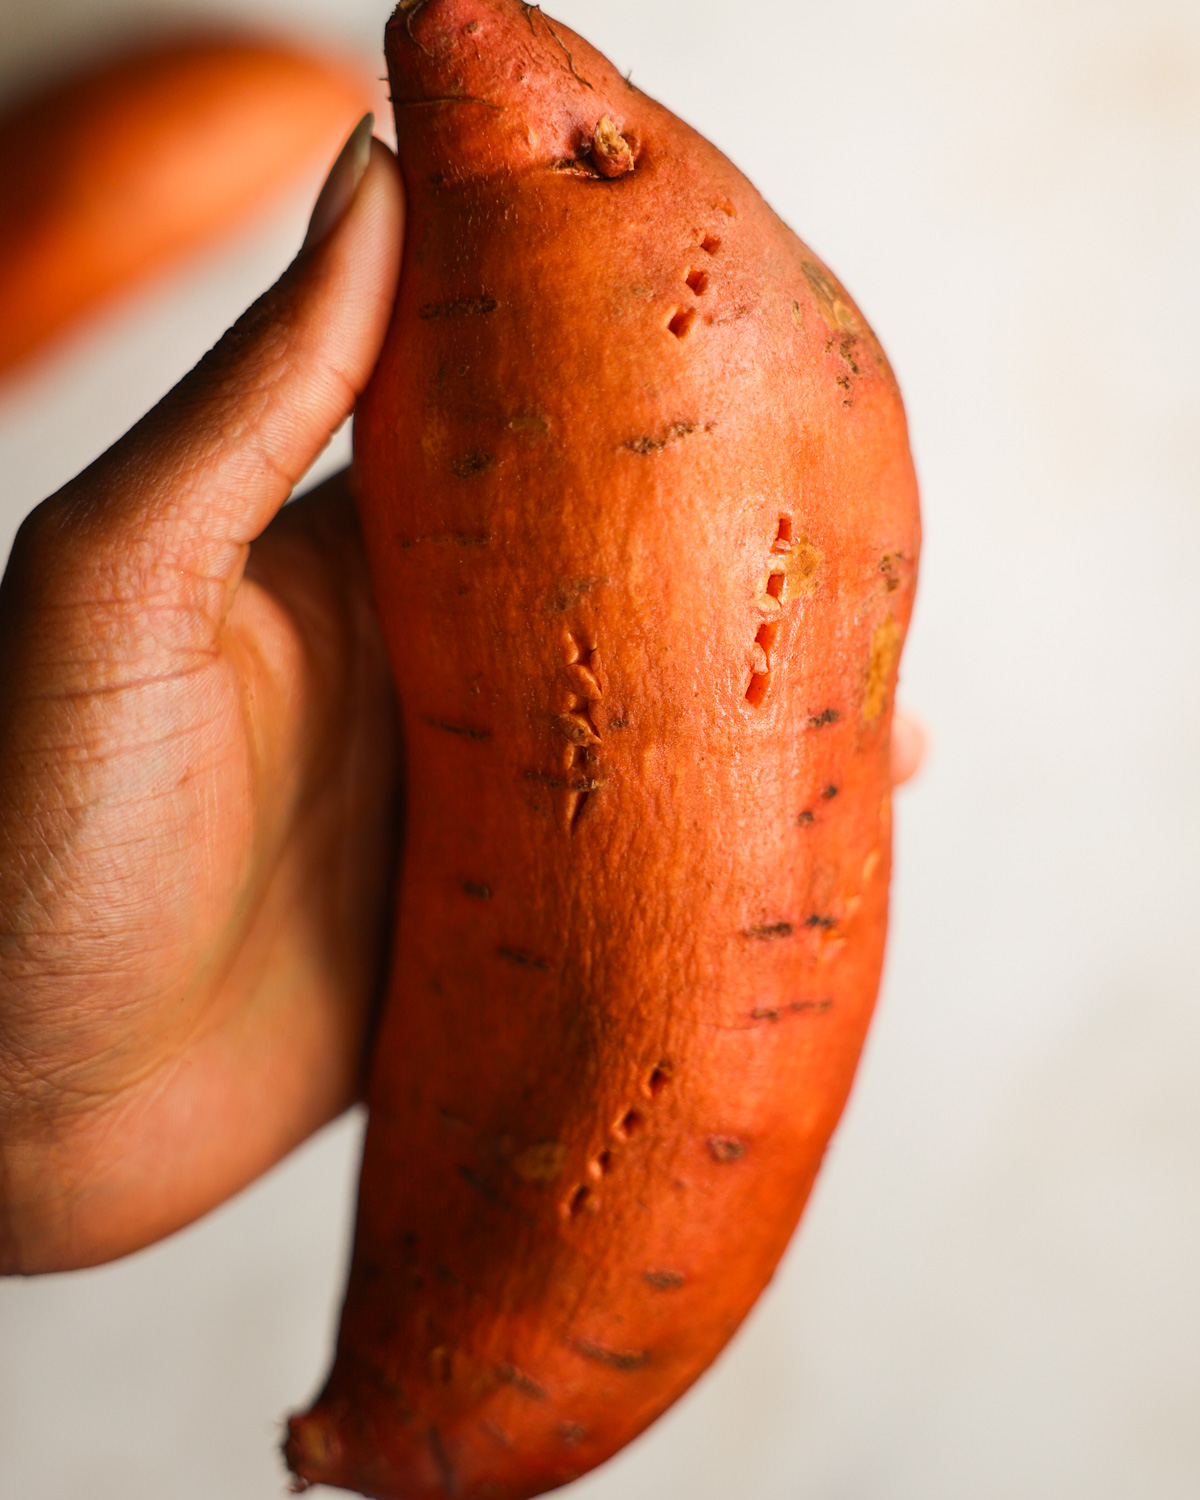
[117, 172]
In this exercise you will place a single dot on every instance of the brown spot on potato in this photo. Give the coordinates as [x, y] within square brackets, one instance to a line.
[672, 434]
[534, 424]
[540, 1163]
[803, 560]
[459, 307]
[519, 1381]
[464, 731]
[770, 930]
[625, 1360]
[831, 299]
[469, 464]
[525, 959]
[885, 648]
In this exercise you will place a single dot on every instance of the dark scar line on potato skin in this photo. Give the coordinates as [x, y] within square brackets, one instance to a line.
[442, 1460]
[771, 930]
[793, 1007]
[526, 1384]
[616, 1359]
[818, 721]
[525, 960]
[674, 433]
[464, 731]
[446, 539]
[563, 783]
[491, 1195]
[458, 307]
[449, 99]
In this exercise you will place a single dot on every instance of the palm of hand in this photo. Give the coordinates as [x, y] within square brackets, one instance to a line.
[196, 771]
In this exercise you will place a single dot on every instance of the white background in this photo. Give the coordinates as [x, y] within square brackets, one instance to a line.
[994, 1291]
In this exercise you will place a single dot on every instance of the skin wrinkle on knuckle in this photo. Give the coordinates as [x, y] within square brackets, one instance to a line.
[100, 960]
[57, 938]
[160, 614]
[288, 475]
[47, 966]
[154, 647]
[237, 426]
[113, 607]
[178, 674]
[350, 389]
[138, 570]
[83, 845]
[262, 434]
[128, 987]
[42, 1082]
[236, 399]
[133, 946]
[81, 975]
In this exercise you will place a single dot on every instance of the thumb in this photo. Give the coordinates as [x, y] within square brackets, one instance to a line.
[202, 474]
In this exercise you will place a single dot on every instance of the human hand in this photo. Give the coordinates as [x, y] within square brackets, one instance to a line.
[197, 776]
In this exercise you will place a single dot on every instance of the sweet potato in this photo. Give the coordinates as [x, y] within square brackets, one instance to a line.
[643, 523]
[119, 171]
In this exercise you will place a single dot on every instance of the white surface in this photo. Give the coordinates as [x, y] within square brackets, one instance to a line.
[994, 1292]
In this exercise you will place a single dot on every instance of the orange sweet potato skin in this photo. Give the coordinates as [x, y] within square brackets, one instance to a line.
[636, 485]
[115, 173]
